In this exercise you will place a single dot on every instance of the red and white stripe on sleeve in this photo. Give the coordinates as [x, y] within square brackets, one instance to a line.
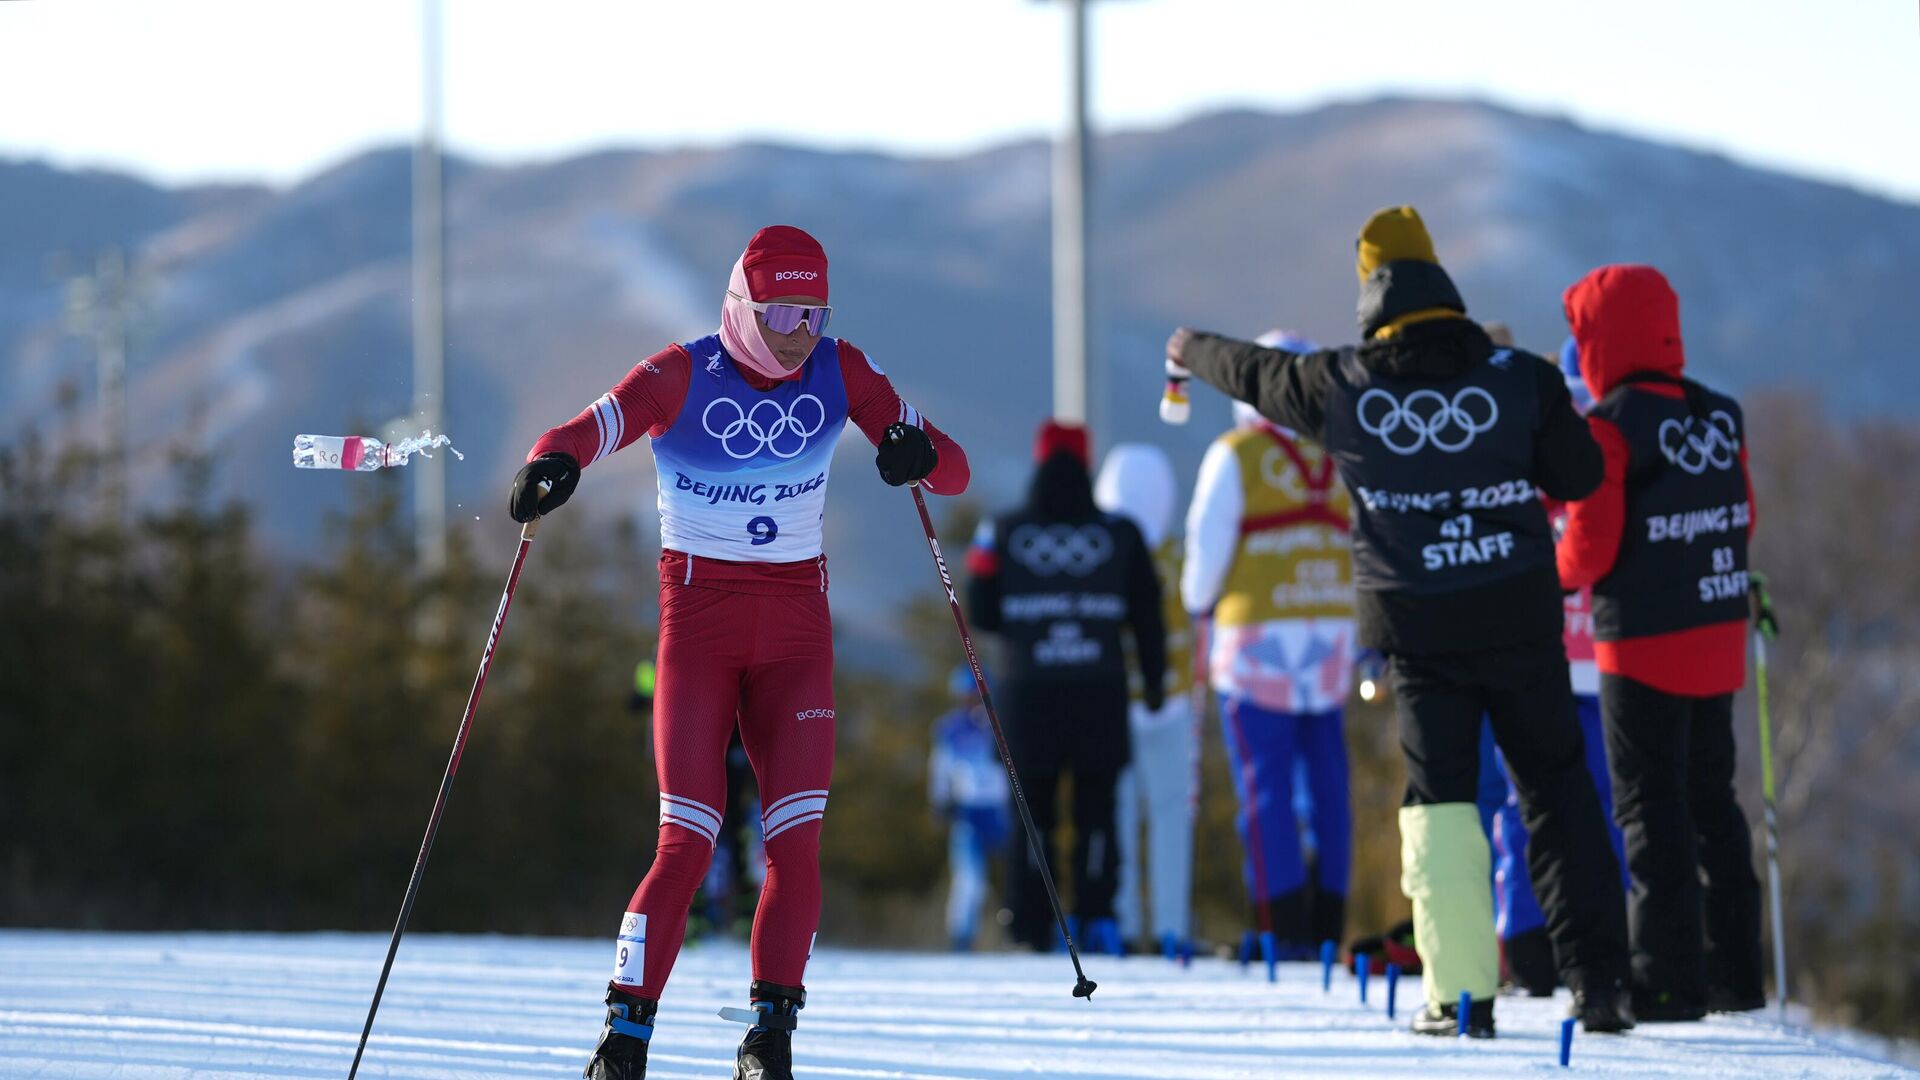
[643, 403]
[874, 405]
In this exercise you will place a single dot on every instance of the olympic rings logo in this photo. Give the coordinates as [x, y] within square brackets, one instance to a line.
[768, 426]
[1695, 444]
[1447, 426]
[1051, 549]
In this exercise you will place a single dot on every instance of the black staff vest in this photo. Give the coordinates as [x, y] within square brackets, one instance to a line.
[1063, 596]
[1683, 547]
[1441, 474]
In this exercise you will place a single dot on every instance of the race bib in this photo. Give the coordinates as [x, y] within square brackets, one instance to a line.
[630, 951]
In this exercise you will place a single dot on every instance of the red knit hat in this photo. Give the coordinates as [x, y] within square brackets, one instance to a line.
[781, 260]
[1056, 436]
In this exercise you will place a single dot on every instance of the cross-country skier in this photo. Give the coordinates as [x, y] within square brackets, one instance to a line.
[1663, 542]
[744, 422]
[967, 785]
[1443, 440]
[1060, 581]
[1163, 781]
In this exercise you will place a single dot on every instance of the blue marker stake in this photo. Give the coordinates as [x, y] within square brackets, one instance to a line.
[1328, 950]
[1267, 952]
[1466, 1008]
[1393, 986]
[1361, 967]
[1566, 1041]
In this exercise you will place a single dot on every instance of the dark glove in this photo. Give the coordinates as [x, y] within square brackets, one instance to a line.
[1153, 697]
[906, 455]
[557, 472]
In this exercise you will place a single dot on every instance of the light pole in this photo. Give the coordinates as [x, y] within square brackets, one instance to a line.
[1075, 391]
[429, 301]
[107, 307]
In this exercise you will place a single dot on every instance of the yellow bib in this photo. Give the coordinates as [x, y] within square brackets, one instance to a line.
[1295, 555]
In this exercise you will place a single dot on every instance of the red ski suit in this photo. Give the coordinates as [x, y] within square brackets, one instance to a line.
[746, 643]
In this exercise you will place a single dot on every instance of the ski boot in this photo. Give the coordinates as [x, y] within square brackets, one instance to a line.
[767, 1051]
[1103, 937]
[1724, 1000]
[1530, 963]
[622, 1053]
[1603, 1010]
[1444, 1020]
[1666, 1007]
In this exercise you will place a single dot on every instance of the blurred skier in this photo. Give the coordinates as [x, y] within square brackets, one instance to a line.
[1663, 542]
[744, 422]
[1136, 481]
[967, 785]
[1443, 439]
[1059, 581]
[1270, 559]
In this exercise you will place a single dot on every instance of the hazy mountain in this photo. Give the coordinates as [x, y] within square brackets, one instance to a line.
[274, 312]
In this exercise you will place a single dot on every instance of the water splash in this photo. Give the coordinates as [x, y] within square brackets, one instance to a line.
[364, 453]
[423, 444]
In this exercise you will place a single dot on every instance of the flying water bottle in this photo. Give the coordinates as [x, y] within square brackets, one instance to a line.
[363, 453]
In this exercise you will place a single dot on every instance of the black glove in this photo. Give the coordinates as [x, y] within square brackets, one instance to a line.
[1153, 697]
[906, 455]
[558, 472]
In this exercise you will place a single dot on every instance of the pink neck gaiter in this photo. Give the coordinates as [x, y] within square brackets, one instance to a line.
[740, 330]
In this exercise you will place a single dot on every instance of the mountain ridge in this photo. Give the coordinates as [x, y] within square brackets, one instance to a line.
[283, 310]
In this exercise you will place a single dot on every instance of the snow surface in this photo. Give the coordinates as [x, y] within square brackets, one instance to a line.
[212, 1006]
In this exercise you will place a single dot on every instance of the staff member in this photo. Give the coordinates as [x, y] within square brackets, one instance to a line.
[1663, 542]
[1443, 440]
[1060, 581]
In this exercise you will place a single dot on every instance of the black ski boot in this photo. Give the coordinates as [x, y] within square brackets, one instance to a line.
[767, 1051]
[1603, 1010]
[622, 1053]
[1445, 1020]
[1665, 1007]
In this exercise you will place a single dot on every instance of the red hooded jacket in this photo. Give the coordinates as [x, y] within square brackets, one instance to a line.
[1626, 319]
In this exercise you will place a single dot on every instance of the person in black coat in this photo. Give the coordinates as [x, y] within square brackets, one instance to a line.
[1446, 441]
[1059, 581]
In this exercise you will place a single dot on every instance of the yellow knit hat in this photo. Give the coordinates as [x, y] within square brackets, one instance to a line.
[1390, 235]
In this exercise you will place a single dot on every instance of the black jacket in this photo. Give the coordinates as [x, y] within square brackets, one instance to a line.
[1059, 580]
[1399, 609]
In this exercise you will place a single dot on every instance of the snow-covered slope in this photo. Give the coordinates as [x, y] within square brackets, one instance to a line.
[215, 1006]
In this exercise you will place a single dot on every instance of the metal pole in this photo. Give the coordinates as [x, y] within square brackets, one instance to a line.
[1773, 828]
[103, 307]
[1073, 392]
[527, 532]
[429, 297]
[1083, 987]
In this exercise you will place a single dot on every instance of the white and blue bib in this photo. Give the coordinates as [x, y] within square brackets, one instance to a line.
[743, 472]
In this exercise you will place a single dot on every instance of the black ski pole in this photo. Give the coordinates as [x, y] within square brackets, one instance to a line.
[446, 786]
[1084, 987]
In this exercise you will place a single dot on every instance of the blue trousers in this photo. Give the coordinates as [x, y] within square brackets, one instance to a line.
[1515, 911]
[1262, 748]
[976, 836]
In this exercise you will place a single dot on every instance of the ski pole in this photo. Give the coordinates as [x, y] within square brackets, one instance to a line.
[446, 786]
[1084, 987]
[1765, 627]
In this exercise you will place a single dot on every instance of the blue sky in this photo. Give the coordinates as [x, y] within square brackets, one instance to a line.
[274, 89]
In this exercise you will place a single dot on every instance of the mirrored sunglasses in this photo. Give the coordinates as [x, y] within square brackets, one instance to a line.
[784, 318]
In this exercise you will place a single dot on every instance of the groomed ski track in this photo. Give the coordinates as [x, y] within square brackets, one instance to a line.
[214, 1006]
